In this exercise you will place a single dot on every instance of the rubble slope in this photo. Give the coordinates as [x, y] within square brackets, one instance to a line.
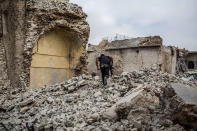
[144, 100]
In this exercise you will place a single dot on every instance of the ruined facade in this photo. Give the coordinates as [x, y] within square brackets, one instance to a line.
[191, 60]
[135, 54]
[42, 42]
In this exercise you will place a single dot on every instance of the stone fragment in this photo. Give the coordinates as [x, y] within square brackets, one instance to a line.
[2, 109]
[93, 118]
[97, 78]
[71, 89]
[26, 102]
[186, 112]
[25, 109]
[186, 115]
[187, 93]
[134, 129]
[81, 83]
[97, 94]
[50, 100]
[110, 114]
[137, 124]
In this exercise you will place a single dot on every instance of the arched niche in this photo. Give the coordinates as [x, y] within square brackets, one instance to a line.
[55, 56]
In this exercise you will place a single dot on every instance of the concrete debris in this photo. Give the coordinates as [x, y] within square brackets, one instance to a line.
[25, 103]
[143, 100]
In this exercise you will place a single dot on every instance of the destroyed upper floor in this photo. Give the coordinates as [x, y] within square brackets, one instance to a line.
[128, 43]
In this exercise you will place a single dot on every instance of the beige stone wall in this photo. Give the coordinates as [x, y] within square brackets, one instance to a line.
[169, 59]
[12, 13]
[55, 56]
[136, 59]
[128, 59]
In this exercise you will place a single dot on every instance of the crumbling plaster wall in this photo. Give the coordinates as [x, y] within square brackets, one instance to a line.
[26, 21]
[139, 58]
[169, 59]
[12, 13]
[128, 59]
[47, 15]
[4, 82]
[54, 59]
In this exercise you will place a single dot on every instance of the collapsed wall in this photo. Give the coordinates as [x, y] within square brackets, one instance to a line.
[169, 59]
[43, 37]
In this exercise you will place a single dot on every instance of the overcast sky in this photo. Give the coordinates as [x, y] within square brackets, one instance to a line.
[174, 20]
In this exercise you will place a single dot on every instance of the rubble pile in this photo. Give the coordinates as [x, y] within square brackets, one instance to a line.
[143, 100]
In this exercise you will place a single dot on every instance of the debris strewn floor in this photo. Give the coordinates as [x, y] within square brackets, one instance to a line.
[143, 100]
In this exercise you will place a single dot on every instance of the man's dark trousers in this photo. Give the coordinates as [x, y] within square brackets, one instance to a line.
[105, 73]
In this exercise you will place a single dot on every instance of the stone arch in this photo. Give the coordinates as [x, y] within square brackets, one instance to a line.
[54, 58]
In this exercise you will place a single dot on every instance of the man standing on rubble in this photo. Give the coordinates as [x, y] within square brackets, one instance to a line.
[104, 63]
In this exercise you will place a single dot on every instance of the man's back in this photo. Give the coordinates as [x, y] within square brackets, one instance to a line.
[104, 60]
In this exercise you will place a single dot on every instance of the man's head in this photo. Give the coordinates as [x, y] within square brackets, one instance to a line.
[102, 55]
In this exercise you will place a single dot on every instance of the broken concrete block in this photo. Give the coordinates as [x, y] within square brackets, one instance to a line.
[97, 94]
[50, 100]
[26, 102]
[81, 83]
[93, 118]
[71, 89]
[25, 109]
[187, 93]
[97, 78]
[186, 113]
[110, 114]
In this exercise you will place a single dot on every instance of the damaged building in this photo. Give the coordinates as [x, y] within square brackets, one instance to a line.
[41, 42]
[191, 60]
[135, 54]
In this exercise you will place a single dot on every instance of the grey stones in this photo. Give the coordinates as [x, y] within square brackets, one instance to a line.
[26, 102]
[187, 93]
[186, 103]
[97, 94]
[50, 100]
[82, 103]
[110, 114]
[81, 83]
[71, 89]
[25, 109]
[93, 118]
[96, 78]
